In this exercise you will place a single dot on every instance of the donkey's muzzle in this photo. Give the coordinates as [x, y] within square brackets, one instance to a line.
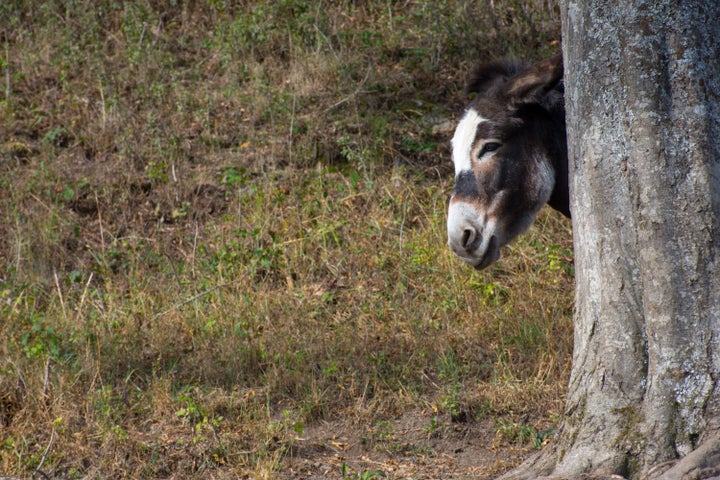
[469, 238]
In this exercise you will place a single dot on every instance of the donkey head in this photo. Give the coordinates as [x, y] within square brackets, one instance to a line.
[508, 150]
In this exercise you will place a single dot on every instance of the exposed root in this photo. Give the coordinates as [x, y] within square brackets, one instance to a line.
[703, 463]
[538, 466]
[659, 469]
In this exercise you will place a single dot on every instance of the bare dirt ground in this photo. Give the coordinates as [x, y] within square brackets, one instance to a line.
[408, 447]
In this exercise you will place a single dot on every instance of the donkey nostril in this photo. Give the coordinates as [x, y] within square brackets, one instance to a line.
[468, 237]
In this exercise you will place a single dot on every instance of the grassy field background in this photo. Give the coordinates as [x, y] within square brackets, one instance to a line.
[223, 225]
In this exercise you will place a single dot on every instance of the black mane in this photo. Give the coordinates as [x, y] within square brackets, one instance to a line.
[491, 75]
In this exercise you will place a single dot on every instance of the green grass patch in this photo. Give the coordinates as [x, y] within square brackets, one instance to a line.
[223, 223]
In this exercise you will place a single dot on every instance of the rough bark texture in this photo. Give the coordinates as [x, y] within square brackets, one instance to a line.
[642, 93]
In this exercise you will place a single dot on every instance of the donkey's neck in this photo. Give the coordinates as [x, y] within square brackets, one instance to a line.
[560, 197]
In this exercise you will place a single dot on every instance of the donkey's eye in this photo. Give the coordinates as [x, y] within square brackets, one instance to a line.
[489, 147]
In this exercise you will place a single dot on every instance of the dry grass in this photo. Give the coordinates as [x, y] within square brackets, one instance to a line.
[224, 223]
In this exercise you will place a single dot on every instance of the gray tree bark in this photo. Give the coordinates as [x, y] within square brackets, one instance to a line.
[642, 81]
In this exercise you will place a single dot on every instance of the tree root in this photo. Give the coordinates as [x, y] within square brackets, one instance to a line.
[700, 464]
[539, 466]
[703, 463]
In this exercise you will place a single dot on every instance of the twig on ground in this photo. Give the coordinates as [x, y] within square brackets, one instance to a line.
[60, 295]
[352, 95]
[47, 377]
[45, 454]
[193, 298]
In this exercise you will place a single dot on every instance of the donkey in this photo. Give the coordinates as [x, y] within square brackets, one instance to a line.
[510, 156]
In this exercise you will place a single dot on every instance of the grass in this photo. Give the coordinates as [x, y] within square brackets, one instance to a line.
[222, 223]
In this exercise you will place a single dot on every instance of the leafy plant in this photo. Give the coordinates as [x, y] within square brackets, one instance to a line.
[522, 433]
[362, 475]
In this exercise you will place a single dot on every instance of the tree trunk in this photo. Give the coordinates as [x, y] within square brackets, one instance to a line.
[642, 82]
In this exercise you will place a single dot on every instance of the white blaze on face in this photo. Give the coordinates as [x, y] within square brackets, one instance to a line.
[462, 141]
[469, 231]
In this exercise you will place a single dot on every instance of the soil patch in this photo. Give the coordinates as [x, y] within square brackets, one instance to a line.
[417, 445]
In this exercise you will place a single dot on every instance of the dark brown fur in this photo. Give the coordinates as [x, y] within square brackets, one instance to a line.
[537, 113]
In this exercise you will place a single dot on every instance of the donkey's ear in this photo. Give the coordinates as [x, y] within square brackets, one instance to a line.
[530, 85]
[491, 75]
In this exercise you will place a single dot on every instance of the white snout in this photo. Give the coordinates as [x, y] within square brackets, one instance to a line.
[471, 236]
